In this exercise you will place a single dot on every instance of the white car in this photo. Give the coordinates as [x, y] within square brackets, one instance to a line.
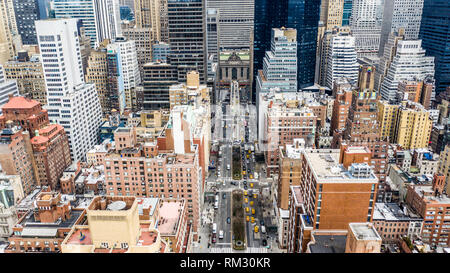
[221, 234]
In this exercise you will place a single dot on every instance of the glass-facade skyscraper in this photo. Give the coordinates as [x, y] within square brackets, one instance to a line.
[302, 15]
[435, 35]
[27, 11]
[347, 12]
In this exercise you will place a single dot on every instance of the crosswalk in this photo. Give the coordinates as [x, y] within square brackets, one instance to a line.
[230, 250]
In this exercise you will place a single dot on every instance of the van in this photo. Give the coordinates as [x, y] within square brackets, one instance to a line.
[263, 229]
[214, 228]
[221, 234]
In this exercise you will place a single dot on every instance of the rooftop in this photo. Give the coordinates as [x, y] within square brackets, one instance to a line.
[170, 214]
[30, 222]
[328, 244]
[326, 168]
[364, 231]
[20, 103]
[393, 212]
[428, 190]
[145, 203]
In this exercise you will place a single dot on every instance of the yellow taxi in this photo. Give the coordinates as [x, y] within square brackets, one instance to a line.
[253, 211]
[253, 219]
[245, 193]
[251, 185]
[244, 172]
[251, 176]
[251, 203]
[247, 209]
[256, 229]
[248, 156]
[255, 195]
[248, 218]
[246, 200]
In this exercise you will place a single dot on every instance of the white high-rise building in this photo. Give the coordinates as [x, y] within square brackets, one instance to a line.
[365, 22]
[107, 19]
[236, 20]
[130, 69]
[342, 59]
[409, 63]
[71, 102]
[280, 63]
[7, 87]
[406, 14]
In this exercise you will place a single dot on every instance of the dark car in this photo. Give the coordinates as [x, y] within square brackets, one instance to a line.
[245, 183]
[264, 242]
[245, 187]
[224, 195]
[228, 220]
[261, 222]
[213, 238]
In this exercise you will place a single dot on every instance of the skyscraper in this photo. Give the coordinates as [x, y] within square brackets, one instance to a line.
[280, 63]
[409, 63]
[236, 20]
[107, 19]
[71, 102]
[148, 15]
[302, 15]
[342, 61]
[187, 37]
[435, 35]
[84, 10]
[115, 96]
[8, 29]
[365, 24]
[347, 12]
[130, 69]
[405, 14]
[331, 13]
[27, 11]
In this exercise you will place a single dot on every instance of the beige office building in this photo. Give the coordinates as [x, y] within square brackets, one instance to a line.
[29, 76]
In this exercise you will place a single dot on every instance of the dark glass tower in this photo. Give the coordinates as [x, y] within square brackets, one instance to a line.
[435, 35]
[187, 37]
[303, 15]
[347, 12]
[27, 11]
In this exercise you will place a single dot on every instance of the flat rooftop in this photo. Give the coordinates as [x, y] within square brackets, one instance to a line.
[393, 212]
[170, 215]
[297, 195]
[428, 190]
[30, 222]
[364, 231]
[328, 244]
[147, 203]
[326, 168]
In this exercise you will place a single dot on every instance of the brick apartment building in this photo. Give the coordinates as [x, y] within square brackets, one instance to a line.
[285, 121]
[25, 113]
[52, 154]
[330, 196]
[434, 207]
[44, 227]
